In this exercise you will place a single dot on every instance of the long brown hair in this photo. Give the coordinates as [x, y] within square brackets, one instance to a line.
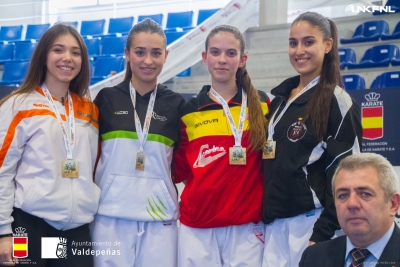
[257, 120]
[37, 68]
[318, 107]
[147, 25]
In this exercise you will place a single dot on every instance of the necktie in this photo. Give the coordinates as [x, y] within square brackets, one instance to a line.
[359, 255]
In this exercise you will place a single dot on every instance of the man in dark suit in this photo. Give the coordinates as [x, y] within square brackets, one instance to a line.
[365, 189]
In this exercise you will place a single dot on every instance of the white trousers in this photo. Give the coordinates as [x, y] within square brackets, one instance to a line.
[141, 244]
[286, 239]
[230, 246]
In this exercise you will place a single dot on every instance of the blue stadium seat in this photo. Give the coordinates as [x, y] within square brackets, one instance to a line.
[120, 25]
[173, 36]
[185, 73]
[24, 51]
[104, 66]
[387, 80]
[6, 90]
[72, 23]
[11, 33]
[394, 4]
[14, 72]
[113, 46]
[156, 17]
[396, 59]
[346, 55]
[353, 82]
[35, 31]
[394, 35]
[6, 52]
[179, 20]
[205, 14]
[92, 27]
[376, 56]
[367, 32]
[93, 46]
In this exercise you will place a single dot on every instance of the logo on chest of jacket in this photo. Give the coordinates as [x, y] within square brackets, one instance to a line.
[39, 105]
[158, 117]
[122, 112]
[297, 130]
[205, 122]
[208, 155]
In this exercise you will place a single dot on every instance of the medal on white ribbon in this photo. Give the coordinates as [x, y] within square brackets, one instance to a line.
[237, 153]
[69, 166]
[142, 133]
[269, 147]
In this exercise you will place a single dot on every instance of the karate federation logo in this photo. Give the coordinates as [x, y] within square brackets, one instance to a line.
[297, 130]
[20, 243]
[372, 116]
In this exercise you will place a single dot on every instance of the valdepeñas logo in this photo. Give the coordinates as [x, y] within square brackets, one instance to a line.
[372, 116]
[20, 243]
[54, 247]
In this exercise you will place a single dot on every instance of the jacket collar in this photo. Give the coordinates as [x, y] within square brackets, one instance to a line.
[124, 86]
[391, 253]
[338, 250]
[205, 100]
[283, 90]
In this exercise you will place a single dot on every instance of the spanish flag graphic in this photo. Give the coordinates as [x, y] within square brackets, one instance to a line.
[372, 122]
[20, 247]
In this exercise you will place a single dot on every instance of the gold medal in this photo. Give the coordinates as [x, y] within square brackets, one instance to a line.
[140, 158]
[237, 155]
[70, 168]
[269, 150]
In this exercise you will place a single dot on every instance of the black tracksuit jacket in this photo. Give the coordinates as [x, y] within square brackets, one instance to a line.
[299, 179]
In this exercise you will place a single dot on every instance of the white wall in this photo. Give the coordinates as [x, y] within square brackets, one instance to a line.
[135, 9]
[17, 12]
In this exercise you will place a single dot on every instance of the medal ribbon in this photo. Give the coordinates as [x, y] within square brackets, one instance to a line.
[142, 134]
[237, 132]
[69, 140]
[271, 126]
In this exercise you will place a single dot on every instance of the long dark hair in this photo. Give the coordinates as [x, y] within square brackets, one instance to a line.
[147, 25]
[257, 120]
[318, 107]
[37, 68]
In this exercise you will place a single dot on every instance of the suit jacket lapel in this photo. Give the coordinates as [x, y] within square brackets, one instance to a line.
[391, 253]
[337, 255]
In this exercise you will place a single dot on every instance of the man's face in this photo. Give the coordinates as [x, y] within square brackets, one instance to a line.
[362, 211]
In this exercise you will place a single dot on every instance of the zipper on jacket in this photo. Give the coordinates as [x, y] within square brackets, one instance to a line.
[72, 204]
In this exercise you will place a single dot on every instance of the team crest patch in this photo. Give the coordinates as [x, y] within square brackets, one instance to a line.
[297, 130]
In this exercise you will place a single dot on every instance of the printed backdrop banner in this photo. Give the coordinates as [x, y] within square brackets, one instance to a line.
[380, 110]
[186, 51]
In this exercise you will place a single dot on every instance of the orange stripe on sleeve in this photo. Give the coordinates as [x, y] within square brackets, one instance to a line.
[23, 114]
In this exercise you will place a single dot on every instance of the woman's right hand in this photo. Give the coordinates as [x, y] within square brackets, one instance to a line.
[6, 258]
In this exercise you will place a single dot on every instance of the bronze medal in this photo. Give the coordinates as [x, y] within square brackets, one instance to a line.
[269, 150]
[140, 159]
[70, 168]
[237, 155]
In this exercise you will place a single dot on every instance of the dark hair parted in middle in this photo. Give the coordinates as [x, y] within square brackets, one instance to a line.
[257, 120]
[147, 25]
[318, 107]
[37, 68]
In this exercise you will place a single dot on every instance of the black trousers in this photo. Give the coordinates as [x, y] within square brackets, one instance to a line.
[36, 228]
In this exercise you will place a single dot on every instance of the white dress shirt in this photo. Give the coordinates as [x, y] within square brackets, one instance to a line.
[375, 248]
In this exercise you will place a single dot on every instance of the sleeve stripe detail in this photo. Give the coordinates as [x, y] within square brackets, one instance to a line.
[23, 114]
[338, 157]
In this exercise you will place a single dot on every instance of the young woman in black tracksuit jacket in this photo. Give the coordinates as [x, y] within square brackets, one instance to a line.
[313, 124]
